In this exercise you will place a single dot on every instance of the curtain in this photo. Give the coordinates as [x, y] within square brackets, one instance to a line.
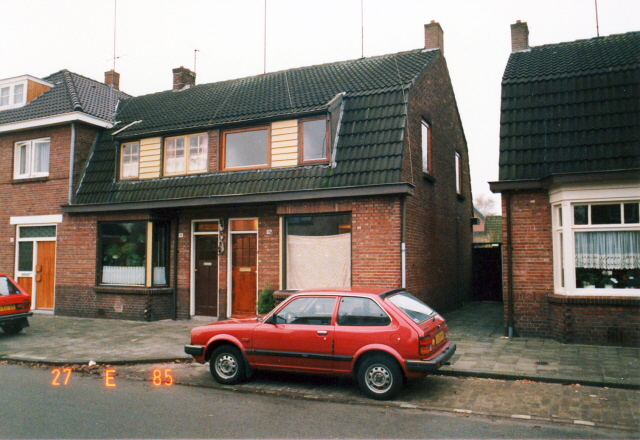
[608, 250]
[130, 275]
[41, 157]
[318, 261]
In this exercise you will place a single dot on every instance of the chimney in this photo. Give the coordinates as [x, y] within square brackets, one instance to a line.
[183, 78]
[433, 36]
[519, 36]
[112, 78]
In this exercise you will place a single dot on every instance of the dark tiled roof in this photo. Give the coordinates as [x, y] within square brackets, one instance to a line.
[370, 145]
[571, 108]
[71, 92]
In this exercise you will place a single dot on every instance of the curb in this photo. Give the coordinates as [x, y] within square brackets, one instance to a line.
[542, 379]
[142, 361]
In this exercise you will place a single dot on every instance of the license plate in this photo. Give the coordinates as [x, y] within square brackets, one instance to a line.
[5, 308]
[439, 337]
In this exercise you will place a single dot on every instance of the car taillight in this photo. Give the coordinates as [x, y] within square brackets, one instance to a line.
[425, 345]
[23, 306]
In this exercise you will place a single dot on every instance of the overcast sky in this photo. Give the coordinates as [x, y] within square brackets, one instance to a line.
[40, 37]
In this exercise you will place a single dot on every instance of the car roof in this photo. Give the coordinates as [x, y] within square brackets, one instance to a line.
[359, 291]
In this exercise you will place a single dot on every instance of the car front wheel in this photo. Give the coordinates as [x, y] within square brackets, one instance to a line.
[380, 377]
[227, 365]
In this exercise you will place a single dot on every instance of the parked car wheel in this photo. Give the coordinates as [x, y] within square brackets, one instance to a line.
[12, 329]
[380, 377]
[227, 365]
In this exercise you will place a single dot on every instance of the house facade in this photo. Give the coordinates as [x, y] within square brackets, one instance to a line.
[570, 184]
[47, 128]
[346, 174]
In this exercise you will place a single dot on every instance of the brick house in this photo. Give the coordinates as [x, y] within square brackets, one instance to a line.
[346, 174]
[570, 184]
[47, 127]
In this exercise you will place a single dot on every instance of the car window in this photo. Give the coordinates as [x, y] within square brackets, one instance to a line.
[412, 307]
[307, 310]
[361, 312]
[7, 287]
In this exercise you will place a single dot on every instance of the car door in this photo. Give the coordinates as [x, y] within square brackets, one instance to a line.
[300, 339]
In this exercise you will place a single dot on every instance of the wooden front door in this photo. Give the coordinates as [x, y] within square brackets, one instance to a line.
[45, 274]
[244, 248]
[206, 262]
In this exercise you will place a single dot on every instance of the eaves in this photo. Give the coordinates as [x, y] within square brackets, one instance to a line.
[57, 119]
[245, 199]
[563, 179]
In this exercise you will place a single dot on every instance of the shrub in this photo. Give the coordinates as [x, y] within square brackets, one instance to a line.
[266, 301]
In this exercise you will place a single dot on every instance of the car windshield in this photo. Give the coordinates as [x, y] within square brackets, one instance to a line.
[412, 307]
[7, 287]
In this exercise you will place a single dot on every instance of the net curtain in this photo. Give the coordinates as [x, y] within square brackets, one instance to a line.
[608, 250]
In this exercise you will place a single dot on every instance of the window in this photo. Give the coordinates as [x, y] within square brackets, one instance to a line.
[458, 173]
[130, 161]
[123, 249]
[318, 251]
[186, 154]
[314, 140]
[361, 312]
[308, 311]
[597, 247]
[246, 148]
[31, 159]
[12, 95]
[426, 147]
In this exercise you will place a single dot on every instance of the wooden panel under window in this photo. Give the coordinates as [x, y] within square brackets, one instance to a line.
[284, 144]
[150, 158]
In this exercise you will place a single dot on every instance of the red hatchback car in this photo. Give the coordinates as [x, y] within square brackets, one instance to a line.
[15, 306]
[379, 336]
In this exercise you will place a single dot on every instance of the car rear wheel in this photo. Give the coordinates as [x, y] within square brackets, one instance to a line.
[380, 377]
[227, 365]
[12, 329]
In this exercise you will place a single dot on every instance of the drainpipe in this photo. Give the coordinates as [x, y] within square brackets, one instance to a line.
[174, 299]
[403, 244]
[72, 158]
[509, 329]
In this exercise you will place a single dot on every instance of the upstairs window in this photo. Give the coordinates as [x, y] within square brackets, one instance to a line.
[31, 159]
[314, 140]
[458, 173]
[249, 148]
[130, 161]
[186, 154]
[426, 147]
[12, 95]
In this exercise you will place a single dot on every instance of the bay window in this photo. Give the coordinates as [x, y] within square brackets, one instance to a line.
[134, 253]
[596, 246]
[318, 251]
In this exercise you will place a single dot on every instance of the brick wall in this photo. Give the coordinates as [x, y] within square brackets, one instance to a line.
[438, 231]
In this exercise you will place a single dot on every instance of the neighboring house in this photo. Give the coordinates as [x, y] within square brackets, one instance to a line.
[47, 127]
[487, 230]
[570, 184]
[346, 174]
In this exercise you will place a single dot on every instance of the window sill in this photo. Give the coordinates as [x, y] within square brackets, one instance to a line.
[597, 299]
[428, 177]
[132, 290]
[30, 180]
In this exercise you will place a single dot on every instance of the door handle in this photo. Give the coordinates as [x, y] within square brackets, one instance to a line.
[322, 332]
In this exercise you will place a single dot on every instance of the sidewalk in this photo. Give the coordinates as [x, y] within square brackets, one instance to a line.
[477, 330]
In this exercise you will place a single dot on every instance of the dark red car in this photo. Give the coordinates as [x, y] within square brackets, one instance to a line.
[15, 306]
[381, 337]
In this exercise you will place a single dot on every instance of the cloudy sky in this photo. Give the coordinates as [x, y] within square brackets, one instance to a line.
[40, 37]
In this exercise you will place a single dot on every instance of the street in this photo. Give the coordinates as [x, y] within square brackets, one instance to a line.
[54, 402]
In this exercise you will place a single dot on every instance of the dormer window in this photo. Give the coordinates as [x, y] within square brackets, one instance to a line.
[11, 96]
[247, 148]
[130, 161]
[16, 92]
[186, 154]
[313, 134]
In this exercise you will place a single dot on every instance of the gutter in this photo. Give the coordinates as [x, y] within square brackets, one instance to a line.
[403, 244]
[240, 199]
[510, 308]
[72, 156]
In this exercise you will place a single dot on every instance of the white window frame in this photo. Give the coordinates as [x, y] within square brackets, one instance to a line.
[29, 172]
[11, 97]
[563, 200]
[425, 130]
[458, 165]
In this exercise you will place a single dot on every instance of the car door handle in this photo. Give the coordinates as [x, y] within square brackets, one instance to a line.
[322, 332]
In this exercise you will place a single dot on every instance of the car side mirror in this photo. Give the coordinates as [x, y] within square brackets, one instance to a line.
[271, 319]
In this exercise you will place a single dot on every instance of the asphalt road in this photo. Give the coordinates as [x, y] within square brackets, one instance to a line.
[52, 403]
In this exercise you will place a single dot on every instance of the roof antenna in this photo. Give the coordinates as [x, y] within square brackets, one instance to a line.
[115, 18]
[362, 25]
[597, 25]
[265, 37]
[195, 55]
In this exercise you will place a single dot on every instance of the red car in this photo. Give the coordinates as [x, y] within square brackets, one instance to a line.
[15, 304]
[381, 337]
